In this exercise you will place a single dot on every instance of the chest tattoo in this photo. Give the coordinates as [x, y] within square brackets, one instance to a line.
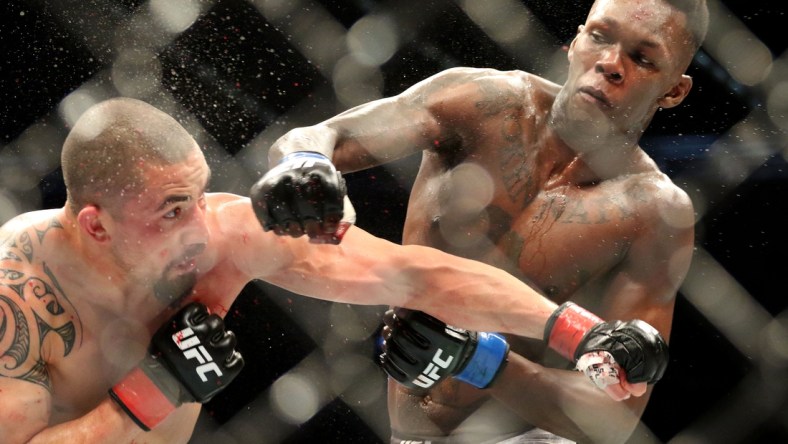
[506, 112]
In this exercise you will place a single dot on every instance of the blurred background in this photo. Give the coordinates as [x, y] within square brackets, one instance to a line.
[239, 73]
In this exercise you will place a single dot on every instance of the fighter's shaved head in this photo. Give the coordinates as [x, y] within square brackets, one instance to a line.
[111, 144]
[695, 23]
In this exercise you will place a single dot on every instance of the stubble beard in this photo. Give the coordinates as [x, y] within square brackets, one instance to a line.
[172, 291]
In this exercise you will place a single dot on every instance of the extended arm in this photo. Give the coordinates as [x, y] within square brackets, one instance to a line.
[302, 192]
[387, 129]
[371, 271]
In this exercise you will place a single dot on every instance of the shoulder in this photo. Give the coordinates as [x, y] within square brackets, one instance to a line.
[227, 211]
[238, 238]
[655, 187]
[465, 83]
[458, 94]
[665, 210]
[24, 222]
[513, 78]
[33, 305]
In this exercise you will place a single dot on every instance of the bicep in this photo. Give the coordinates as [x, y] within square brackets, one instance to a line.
[382, 131]
[25, 403]
[646, 284]
[240, 240]
[25, 409]
[424, 116]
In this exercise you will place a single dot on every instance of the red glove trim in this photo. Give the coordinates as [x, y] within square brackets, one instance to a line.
[569, 326]
[139, 396]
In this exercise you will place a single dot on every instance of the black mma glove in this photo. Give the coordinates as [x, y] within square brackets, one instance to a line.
[420, 350]
[304, 193]
[190, 359]
[635, 345]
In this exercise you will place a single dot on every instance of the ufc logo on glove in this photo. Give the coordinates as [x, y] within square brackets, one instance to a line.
[430, 375]
[190, 344]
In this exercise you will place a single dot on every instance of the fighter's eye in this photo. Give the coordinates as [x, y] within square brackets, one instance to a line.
[598, 37]
[640, 59]
[173, 214]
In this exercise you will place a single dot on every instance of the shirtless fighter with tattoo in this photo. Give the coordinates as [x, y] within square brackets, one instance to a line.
[111, 307]
[545, 181]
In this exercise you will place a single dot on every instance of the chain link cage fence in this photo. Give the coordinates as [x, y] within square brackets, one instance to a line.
[240, 73]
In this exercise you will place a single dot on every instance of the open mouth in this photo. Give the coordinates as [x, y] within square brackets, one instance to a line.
[186, 266]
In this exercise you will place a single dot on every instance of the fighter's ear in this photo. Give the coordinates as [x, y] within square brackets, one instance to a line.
[676, 93]
[574, 40]
[90, 220]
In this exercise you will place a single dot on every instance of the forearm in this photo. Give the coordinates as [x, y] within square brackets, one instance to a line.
[107, 423]
[368, 135]
[319, 138]
[565, 403]
[372, 271]
[476, 296]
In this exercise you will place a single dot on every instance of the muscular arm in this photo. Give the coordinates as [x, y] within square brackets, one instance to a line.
[371, 271]
[25, 383]
[422, 117]
[25, 408]
[105, 423]
[643, 287]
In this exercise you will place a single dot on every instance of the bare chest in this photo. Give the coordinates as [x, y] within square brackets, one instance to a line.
[558, 239]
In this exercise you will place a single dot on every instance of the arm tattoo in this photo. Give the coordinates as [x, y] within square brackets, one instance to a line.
[53, 223]
[495, 99]
[599, 210]
[24, 245]
[32, 307]
[19, 348]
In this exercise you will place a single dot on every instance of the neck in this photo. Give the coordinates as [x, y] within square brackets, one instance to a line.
[110, 286]
[588, 133]
[587, 160]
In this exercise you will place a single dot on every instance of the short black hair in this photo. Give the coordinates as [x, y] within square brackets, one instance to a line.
[697, 13]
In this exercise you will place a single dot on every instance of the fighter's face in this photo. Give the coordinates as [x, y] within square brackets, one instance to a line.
[163, 230]
[625, 62]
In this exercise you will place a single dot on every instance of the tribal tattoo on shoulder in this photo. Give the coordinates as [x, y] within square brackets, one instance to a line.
[33, 307]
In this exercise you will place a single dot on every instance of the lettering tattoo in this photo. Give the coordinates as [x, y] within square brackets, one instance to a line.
[33, 307]
[564, 206]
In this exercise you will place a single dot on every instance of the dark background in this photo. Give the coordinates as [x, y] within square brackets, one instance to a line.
[238, 77]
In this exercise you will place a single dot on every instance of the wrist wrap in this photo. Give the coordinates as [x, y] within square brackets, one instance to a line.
[566, 328]
[487, 360]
